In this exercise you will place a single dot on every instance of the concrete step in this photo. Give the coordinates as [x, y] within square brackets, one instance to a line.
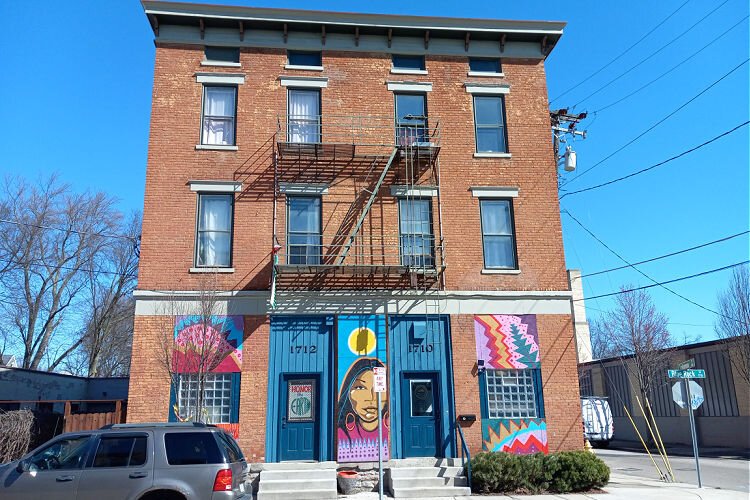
[432, 492]
[400, 472]
[448, 462]
[427, 482]
[257, 467]
[290, 494]
[297, 484]
[287, 474]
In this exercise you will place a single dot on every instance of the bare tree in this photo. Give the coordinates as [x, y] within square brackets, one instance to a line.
[53, 235]
[189, 356]
[733, 326]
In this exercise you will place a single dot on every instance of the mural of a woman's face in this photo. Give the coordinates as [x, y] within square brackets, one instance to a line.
[364, 400]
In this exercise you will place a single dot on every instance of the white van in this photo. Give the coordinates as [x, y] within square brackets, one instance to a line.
[598, 426]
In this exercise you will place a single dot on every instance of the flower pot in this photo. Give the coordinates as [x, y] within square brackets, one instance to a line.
[347, 481]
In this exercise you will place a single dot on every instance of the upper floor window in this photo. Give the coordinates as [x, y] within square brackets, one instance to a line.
[411, 118]
[214, 238]
[303, 115]
[484, 65]
[511, 394]
[222, 55]
[304, 58]
[498, 234]
[415, 232]
[304, 230]
[408, 62]
[489, 124]
[219, 112]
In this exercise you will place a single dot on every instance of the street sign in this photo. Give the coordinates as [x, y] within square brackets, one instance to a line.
[686, 373]
[679, 395]
[379, 381]
[687, 364]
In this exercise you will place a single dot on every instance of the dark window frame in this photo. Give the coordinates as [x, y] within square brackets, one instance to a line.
[319, 256]
[218, 458]
[486, 59]
[422, 136]
[196, 262]
[102, 437]
[421, 67]
[404, 258]
[503, 127]
[303, 53]
[207, 86]
[512, 235]
[211, 48]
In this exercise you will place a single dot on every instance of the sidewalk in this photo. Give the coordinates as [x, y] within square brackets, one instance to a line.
[620, 487]
[684, 450]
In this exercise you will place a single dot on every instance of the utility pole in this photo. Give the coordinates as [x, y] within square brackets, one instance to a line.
[563, 126]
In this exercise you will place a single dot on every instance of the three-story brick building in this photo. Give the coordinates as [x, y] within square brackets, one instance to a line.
[363, 191]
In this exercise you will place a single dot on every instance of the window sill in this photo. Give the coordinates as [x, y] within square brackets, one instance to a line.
[501, 271]
[216, 147]
[302, 67]
[491, 74]
[225, 270]
[223, 64]
[492, 155]
[398, 71]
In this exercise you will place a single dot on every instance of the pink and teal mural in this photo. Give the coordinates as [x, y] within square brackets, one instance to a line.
[215, 344]
[507, 342]
[518, 436]
[361, 347]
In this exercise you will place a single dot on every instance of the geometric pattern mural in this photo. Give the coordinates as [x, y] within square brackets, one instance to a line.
[517, 436]
[505, 341]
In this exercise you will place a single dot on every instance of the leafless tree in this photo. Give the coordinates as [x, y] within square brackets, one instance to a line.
[50, 236]
[733, 326]
[15, 434]
[191, 356]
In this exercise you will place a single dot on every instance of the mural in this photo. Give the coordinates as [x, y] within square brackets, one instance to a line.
[216, 345]
[518, 436]
[361, 347]
[506, 341]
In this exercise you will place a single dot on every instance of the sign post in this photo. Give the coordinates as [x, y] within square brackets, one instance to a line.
[379, 384]
[688, 394]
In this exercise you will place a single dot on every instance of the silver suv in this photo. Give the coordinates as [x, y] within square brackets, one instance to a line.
[175, 461]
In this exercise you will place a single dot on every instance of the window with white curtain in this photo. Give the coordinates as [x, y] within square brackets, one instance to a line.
[303, 230]
[214, 238]
[219, 109]
[415, 228]
[303, 116]
[498, 234]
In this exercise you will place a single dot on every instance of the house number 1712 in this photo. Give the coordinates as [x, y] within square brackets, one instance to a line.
[303, 349]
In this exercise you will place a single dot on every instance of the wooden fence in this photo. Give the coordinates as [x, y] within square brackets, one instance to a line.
[91, 421]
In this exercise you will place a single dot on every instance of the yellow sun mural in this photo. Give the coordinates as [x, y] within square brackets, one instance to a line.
[362, 341]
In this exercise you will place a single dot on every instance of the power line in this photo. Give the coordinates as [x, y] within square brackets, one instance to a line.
[680, 155]
[685, 250]
[671, 69]
[673, 40]
[69, 268]
[658, 122]
[621, 54]
[67, 230]
[662, 283]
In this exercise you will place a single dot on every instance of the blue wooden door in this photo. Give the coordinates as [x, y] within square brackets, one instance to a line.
[420, 420]
[299, 418]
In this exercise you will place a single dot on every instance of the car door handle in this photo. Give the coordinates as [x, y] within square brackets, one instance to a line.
[64, 479]
[137, 475]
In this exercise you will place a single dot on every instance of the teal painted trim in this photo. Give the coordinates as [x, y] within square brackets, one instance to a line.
[171, 417]
[234, 408]
[538, 392]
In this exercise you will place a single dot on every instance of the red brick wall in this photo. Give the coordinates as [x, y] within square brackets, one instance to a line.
[148, 394]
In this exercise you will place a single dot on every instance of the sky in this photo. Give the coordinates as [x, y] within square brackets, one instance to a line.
[78, 77]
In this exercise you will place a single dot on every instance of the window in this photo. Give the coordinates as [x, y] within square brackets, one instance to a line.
[483, 65]
[498, 237]
[489, 124]
[411, 119]
[189, 448]
[217, 397]
[120, 451]
[415, 227]
[231, 449]
[214, 238]
[303, 230]
[222, 54]
[61, 455]
[304, 116]
[511, 394]
[219, 109]
[301, 58]
[405, 62]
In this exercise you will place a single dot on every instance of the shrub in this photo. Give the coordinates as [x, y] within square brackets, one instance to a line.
[560, 472]
[15, 434]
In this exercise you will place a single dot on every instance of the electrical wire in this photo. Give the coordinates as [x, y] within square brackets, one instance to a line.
[686, 103]
[621, 54]
[614, 103]
[69, 268]
[68, 230]
[655, 165]
[685, 250]
[673, 40]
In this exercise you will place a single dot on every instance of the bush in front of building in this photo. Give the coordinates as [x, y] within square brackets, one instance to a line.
[561, 472]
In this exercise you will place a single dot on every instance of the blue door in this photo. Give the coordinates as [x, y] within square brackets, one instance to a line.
[420, 418]
[299, 418]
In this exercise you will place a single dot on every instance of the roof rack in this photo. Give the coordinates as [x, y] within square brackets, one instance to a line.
[156, 424]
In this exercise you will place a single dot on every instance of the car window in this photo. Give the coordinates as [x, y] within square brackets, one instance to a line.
[230, 447]
[188, 448]
[67, 453]
[120, 451]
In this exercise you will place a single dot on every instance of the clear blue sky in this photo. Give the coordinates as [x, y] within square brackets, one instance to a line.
[77, 86]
